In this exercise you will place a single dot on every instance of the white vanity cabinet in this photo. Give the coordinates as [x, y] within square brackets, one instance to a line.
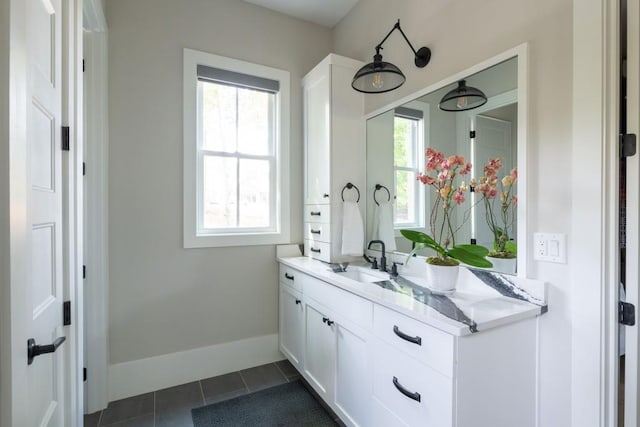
[291, 319]
[334, 142]
[375, 366]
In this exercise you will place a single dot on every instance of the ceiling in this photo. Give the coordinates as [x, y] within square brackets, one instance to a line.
[324, 12]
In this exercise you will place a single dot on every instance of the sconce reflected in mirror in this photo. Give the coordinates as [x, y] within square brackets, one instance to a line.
[462, 98]
[379, 76]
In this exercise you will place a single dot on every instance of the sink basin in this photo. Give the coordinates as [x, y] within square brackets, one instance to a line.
[361, 275]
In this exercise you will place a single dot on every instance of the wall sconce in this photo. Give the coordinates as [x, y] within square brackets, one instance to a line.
[462, 98]
[379, 76]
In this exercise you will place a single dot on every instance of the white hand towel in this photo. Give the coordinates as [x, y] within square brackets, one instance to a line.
[352, 229]
[384, 225]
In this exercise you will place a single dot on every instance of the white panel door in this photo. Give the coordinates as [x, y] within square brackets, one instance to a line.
[632, 276]
[291, 325]
[45, 373]
[493, 140]
[319, 360]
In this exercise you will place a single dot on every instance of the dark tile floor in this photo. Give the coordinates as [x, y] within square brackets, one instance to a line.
[172, 406]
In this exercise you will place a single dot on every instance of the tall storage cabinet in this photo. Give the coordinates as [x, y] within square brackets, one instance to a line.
[334, 155]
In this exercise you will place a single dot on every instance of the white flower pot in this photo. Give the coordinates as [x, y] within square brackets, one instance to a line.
[442, 279]
[504, 265]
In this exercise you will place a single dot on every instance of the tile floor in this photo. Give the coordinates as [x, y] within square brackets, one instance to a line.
[171, 407]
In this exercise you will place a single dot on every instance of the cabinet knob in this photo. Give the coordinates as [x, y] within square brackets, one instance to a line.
[298, 301]
[328, 321]
[325, 195]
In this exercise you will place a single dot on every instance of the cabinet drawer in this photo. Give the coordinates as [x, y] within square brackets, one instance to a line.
[317, 250]
[412, 391]
[428, 345]
[317, 213]
[291, 277]
[317, 231]
[346, 304]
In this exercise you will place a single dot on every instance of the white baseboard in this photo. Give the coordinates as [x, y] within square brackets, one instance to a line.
[154, 373]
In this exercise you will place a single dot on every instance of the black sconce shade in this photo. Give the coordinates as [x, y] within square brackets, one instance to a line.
[462, 98]
[379, 76]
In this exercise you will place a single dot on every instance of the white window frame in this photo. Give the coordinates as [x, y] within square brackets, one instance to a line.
[194, 237]
[419, 193]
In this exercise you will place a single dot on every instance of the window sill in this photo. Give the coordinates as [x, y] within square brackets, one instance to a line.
[227, 240]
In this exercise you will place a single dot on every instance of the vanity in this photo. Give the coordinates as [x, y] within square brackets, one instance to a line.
[381, 352]
[380, 349]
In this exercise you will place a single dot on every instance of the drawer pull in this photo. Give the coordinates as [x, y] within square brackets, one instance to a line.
[298, 301]
[315, 213]
[398, 332]
[315, 250]
[411, 395]
[325, 195]
[315, 231]
[286, 275]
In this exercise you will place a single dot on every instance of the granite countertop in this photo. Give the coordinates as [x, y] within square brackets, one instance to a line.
[482, 299]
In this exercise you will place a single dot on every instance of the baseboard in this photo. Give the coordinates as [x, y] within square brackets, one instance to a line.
[154, 373]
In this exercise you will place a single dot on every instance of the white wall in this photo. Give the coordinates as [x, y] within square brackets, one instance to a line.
[163, 298]
[461, 34]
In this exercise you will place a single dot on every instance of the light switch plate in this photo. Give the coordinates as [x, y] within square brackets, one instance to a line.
[551, 247]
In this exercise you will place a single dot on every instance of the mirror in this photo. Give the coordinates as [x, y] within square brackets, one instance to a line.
[397, 137]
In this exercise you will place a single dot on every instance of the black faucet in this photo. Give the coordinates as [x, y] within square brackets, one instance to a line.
[383, 258]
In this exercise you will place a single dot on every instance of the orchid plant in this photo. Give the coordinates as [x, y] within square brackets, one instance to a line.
[441, 173]
[500, 216]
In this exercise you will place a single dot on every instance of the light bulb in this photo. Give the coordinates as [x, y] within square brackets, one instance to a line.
[377, 81]
[462, 102]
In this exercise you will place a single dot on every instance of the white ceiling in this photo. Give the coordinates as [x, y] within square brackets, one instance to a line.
[323, 12]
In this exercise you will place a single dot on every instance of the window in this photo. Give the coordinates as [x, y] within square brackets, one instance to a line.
[408, 138]
[236, 188]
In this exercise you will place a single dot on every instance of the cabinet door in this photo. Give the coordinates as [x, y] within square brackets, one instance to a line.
[291, 325]
[353, 375]
[319, 360]
[317, 131]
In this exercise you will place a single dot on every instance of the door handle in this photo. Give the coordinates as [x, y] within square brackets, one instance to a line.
[34, 350]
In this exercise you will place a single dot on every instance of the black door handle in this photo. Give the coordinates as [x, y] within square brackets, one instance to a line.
[34, 350]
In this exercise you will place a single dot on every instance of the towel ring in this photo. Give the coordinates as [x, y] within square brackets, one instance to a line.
[380, 187]
[350, 186]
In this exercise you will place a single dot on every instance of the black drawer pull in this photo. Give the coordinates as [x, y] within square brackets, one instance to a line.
[398, 332]
[315, 213]
[286, 275]
[312, 231]
[325, 195]
[411, 395]
[298, 301]
[315, 250]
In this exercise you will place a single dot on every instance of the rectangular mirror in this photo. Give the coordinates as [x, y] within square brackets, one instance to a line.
[398, 135]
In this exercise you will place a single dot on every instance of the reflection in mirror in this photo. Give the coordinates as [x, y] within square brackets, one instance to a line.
[396, 143]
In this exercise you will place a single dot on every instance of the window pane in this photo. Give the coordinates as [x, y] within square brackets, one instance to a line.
[405, 141]
[405, 203]
[254, 121]
[218, 117]
[255, 201]
[220, 192]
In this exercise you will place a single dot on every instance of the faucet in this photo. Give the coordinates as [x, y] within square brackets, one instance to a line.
[383, 258]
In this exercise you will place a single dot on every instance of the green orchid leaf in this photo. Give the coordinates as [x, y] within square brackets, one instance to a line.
[469, 258]
[511, 246]
[420, 237]
[478, 250]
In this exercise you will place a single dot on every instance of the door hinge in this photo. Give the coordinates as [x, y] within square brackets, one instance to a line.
[65, 138]
[66, 313]
[472, 134]
[84, 374]
[84, 271]
[627, 145]
[626, 313]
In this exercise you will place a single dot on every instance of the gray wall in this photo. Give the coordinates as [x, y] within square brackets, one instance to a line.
[163, 298]
[462, 33]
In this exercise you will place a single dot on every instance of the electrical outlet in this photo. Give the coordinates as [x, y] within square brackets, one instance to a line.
[550, 247]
